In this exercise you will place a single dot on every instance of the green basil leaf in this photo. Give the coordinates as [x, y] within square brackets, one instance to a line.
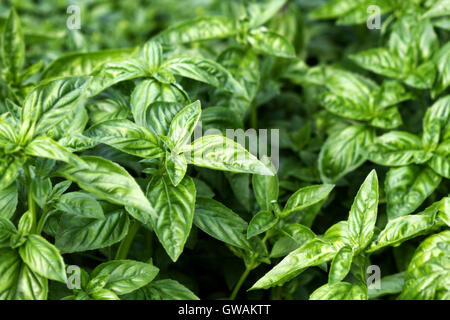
[435, 122]
[389, 118]
[7, 133]
[9, 170]
[345, 107]
[220, 222]
[265, 189]
[175, 208]
[204, 28]
[220, 153]
[341, 291]
[7, 229]
[127, 137]
[183, 124]
[391, 93]
[263, 11]
[299, 233]
[342, 152]
[402, 229]
[80, 204]
[47, 148]
[152, 55]
[261, 222]
[313, 253]
[440, 162]
[40, 190]
[111, 73]
[108, 181]
[391, 284]
[428, 272]
[154, 104]
[168, 289]
[271, 43]
[126, 276]
[397, 148]
[8, 201]
[204, 70]
[442, 61]
[48, 104]
[340, 266]
[43, 258]
[176, 167]
[82, 63]
[78, 233]
[19, 282]
[307, 197]
[363, 214]
[407, 188]
[104, 294]
[381, 61]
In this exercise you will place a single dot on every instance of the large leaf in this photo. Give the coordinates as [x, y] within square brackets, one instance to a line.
[126, 276]
[340, 266]
[82, 63]
[261, 222]
[428, 273]
[442, 61]
[47, 148]
[48, 104]
[9, 169]
[342, 152]
[363, 213]
[307, 197]
[166, 289]
[346, 107]
[77, 233]
[111, 182]
[220, 222]
[8, 201]
[111, 73]
[381, 61]
[183, 124]
[407, 188]
[43, 258]
[440, 162]
[175, 208]
[313, 253]
[127, 137]
[220, 153]
[404, 228]
[264, 10]
[341, 291]
[271, 43]
[436, 122]
[204, 28]
[19, 282]
[265, 189]
[203, 70]
[397, 148]
[392, 284]
[80, 204]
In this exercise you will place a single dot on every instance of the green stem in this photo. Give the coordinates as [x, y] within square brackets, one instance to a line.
[248, 268]
[31, 203]
[125, 245]
[240, 282]
[42, 221]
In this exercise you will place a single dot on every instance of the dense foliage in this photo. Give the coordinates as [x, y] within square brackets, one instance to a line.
[107, 191]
